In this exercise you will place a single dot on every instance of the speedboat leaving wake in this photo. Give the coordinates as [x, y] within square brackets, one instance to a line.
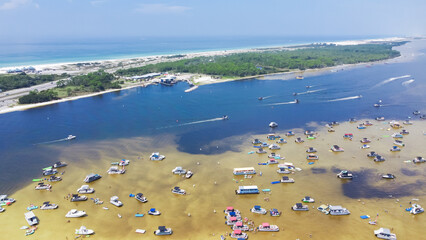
[308, 92]
[70, 137]
[283, 103]
[198, 122]
[391, 80]
[345, 99]
[407, 82]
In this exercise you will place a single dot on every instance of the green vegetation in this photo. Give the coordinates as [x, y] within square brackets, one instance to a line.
[77, 85]
[37, 97]
[256, 63]
[22, 80]
[92, 82]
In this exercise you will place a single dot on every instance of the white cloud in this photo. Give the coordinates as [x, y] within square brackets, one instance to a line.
[12, 4]
[159, 8]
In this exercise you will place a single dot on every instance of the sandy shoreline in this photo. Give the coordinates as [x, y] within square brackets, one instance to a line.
[202, 79]
[212, 188]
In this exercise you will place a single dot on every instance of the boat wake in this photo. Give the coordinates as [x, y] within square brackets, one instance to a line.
[308, 92]
[390, 80]
[282, 103]
[192, 123]
[344, 99]
[407, 82]
[55, 141]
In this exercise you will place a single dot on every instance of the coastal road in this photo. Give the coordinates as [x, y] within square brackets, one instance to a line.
[11, 97]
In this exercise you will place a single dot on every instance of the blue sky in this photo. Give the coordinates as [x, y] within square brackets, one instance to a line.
[80, 19]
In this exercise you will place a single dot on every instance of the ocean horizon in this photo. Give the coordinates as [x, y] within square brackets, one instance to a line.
[84, 50]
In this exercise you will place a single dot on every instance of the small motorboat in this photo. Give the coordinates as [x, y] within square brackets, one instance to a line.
[300, 77]
[77, 198]
[378, 104]
[70, 137]
[395, 149]
[345, 175]
[59, 164]
[289, 133]
[404, 132]
[365, 146]
[348, 136]
[397, 135]
[238, 234]
[272, 161]
[178, 170]
[308, 199]
[274, 147]
[311, 136]
[84, 231]
[258, 209]
[178, 190]
[124, 162]
[331, 129]
[156, 157]
[231, 209]
[399, 143]
[337, 210]
[380, 118]
[141, 198]
[384, 233]
[114, 201]
[311, 150]
[299, 140]
[407, 122]
[42, 186]
[74, 213]
[361, 126]
[286, 179]
[85, 189]
[368, 123]
[309, 132]
[4, 200]
[54, 178]
[423, 117]
[225, 117]
[50, 171]
[295, 94]
[256, 141]
[336, 148]
[162, 230]
[365, 140]
[264, 145]
[31, 218]
[281, 141]
[260, 151]
[379, 158]
[266, 227]
[273, 125]
[419, 160]
[275, 156]
[240, 226]
[388, 176]
[48, 206]
[154, 212]
[372, 154]
[312, 157]
[416, 113]
[116, 170]
[274, 212]
[300, 207]
[260, 98]
[352, 120]
[30, 230]
[2, 209]
[416, 209]
[189, 174]
[231, 221]
[92, 177]
[282, 168]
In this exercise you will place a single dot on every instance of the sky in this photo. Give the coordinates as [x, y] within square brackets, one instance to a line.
[39, 20]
